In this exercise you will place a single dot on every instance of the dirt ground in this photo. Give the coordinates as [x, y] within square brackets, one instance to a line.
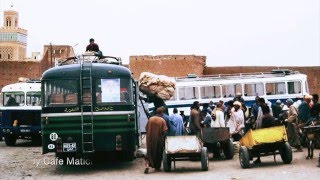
[25, 161]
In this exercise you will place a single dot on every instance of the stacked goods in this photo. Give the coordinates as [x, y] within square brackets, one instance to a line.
[158, 85]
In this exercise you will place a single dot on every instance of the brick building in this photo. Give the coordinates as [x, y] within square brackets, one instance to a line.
[13, 60]
[170, 65]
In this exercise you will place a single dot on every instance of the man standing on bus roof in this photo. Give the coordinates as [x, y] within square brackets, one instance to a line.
[92, 46]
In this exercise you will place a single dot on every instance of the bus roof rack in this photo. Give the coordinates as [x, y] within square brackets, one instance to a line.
[34, 81]
[192, 76]
[281, 71]
[89, 56]
[272, 73]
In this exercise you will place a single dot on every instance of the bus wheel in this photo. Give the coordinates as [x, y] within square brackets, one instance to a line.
[10, 140]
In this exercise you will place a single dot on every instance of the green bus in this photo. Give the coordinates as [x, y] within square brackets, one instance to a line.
[89, 106]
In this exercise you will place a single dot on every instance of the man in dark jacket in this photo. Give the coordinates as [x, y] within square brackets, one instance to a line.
[304, 109]
[92, 46]
[276, 108]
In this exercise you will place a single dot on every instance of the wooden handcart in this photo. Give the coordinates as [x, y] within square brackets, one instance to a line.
[265, 142]
[181, 148]
[218, 140]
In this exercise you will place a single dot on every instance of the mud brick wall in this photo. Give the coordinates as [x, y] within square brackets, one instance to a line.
[11, 71]
[169, 65]
[313, 73]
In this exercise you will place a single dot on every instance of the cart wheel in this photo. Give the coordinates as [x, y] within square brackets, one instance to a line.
[244, 157]
[10, 140]
[166, 162]
[228, 149]
[204, 159]
[286, 153]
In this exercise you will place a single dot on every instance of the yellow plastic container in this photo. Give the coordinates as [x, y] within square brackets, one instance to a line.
[265, 135]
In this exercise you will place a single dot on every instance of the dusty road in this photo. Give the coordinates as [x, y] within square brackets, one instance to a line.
[26, 162]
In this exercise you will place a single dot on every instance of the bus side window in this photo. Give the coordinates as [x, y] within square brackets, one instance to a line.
[71, 98]
[56, 98]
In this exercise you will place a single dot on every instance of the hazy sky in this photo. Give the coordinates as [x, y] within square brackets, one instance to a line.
[228, 32]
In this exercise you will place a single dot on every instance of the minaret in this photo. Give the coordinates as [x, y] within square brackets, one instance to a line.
[13, 39]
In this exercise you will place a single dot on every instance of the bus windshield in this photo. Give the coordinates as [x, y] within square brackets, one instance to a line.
[33, 98]
[13, 98]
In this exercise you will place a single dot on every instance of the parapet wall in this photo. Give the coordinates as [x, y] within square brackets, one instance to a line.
[169, 65]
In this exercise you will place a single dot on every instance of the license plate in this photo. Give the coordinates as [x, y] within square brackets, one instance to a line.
[24, 130]
[69, 147]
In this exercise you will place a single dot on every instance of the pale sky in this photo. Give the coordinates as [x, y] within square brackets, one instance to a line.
[228, 32]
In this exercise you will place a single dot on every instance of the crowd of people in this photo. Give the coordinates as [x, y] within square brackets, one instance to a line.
[235, 115]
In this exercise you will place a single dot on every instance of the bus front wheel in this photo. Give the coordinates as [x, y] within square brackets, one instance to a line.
[10, 140]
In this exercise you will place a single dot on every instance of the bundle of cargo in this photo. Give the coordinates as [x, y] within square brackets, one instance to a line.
[158, 85]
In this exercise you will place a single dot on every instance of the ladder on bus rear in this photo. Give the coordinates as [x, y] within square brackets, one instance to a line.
[86, 107]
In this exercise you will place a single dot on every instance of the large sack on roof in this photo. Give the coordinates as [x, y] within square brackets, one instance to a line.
[159, 85]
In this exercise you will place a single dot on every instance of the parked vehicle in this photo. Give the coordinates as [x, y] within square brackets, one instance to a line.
[89, 106]
[277, 84]
[21, 112]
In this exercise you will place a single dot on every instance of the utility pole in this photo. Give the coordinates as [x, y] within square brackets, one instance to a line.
[51, 53]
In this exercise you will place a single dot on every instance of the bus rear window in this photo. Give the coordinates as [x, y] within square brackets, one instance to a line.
[60, 93]
[114, 91]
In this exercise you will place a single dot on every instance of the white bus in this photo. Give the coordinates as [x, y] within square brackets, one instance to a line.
[274, 85]
[21, 112]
